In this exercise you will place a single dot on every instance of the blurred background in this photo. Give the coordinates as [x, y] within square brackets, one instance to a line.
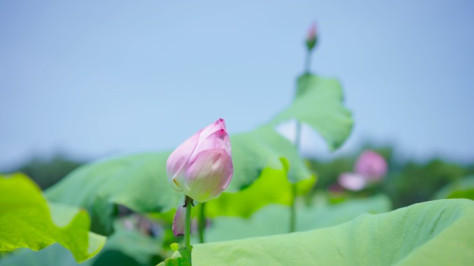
[83, 80]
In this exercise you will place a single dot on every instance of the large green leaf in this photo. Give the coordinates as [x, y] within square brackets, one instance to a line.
[274, 219]
[430, 233]
[137, 181]
[127, 247]
[27, 222]
[140, 182]
[318, 103]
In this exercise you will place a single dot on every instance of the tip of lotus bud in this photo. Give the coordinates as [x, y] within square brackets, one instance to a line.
[221, 121]
[312, 36]
[312, 31]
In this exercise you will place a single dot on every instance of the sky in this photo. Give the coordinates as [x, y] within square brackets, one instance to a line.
[99, 78]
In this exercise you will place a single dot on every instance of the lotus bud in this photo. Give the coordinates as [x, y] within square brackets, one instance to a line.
[311, 37]
[201, 167]
[352, 181]
[371, 165]
[178, 221]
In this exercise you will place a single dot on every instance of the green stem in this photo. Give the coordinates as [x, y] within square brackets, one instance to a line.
[298, 135]
[187, 230]
[293, 185]
[307, 66]
[293, 208]
[202, 222]
[307, 62]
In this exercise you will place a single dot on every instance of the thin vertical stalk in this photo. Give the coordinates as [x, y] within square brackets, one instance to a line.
[307, 62]
[202, 222]
[293, 185]
[293, 208]
[307, 66]
[298, 135]
[187, 231]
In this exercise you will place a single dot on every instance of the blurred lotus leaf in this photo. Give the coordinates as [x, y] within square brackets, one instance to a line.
[26, 221]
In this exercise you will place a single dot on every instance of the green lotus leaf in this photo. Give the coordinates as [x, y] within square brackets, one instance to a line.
[318, 103]
[274, 219]
[26, 221]
[430, 233]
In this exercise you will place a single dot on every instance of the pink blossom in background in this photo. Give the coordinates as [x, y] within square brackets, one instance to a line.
[352, 181]
[371, 165]
[201, 167]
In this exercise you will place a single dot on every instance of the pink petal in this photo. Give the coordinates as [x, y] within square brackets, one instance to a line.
[208, 175]
[216, 126]
[352, 181]
[217, 140]
[312, 32]
[178, 160]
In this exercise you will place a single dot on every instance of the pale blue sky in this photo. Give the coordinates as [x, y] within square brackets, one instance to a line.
[95, 78]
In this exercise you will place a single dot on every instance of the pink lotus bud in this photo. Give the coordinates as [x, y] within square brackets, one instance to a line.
[352, 181]
[311, 37]
[201, 167]
[371, 165]
[178, 221]
[312, 32]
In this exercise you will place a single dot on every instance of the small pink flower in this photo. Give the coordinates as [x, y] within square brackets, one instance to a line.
[371, 165]
[352, 181]
[312, 32]
[201, 167]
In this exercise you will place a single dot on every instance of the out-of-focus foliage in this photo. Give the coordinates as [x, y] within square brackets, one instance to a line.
[463, 188]
[47, 172]
[26, 221]
[138, 182]
[417, 182]
[429, 233]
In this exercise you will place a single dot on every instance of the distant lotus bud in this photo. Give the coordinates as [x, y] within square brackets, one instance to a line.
[201, 167]
[371, 165]
[178, 221]
[352, 181]
[311, 37]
